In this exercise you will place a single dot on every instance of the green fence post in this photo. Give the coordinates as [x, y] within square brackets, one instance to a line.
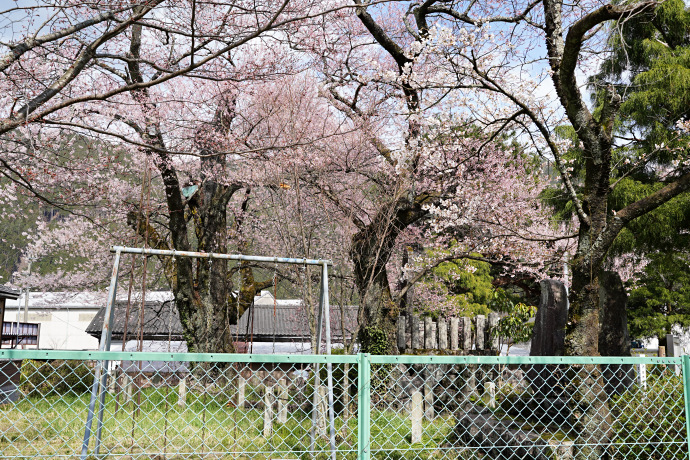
[686, 395]
[363, 405]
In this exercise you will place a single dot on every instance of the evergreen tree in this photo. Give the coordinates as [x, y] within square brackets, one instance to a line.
[649, 67]
[661, 296]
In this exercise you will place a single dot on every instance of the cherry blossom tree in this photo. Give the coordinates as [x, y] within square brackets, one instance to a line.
[485, 52]
[157, 88]
[516, 68]
[436, 171]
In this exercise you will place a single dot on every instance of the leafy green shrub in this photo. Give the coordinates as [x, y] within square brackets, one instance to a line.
[514, 326]
[374, 340]
[59, 377]
[650, 423]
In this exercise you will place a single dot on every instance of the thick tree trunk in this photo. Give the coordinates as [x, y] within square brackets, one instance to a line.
[370, 251]
[201, 294]
[208, 321]
[378, 333]
[582, 330]
[589, 407]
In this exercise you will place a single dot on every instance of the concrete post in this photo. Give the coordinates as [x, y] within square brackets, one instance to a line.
[480, 330]
[112, 383]
[401, 334]
[268, 411]
[466, 333]
[490, 395]
[673, 349]
[416, 338]
[434, 335]
[282, 401]
[129, 387]
[241, 387]
[493, 323]
[442, 334]
[471, 380]
[454, 329]
[416, 414]
[428, 402]
[182, 392]
[429, 336]
[322, 412]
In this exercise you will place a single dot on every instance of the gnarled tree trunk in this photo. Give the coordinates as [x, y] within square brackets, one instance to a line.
[202, 287]
[599, 226]
[370, 251]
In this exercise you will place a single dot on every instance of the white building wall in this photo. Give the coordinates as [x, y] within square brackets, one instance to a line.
[64, 316]
[61, 329]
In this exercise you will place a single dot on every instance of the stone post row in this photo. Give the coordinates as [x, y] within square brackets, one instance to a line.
[454, 333]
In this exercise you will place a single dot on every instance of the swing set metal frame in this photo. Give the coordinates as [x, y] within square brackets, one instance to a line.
[99, 388]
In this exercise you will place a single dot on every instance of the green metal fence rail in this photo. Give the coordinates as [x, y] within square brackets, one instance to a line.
[175, 406]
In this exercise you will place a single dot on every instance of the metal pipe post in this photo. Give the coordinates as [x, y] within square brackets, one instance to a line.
[213, 255]
[319, 322]
[104, 375]
[104, 345]
[329, 365]
[363, 406]
[686, 396]
[317, 370]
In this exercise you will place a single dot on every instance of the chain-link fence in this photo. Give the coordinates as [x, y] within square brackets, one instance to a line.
[174, 406]
[527, 408]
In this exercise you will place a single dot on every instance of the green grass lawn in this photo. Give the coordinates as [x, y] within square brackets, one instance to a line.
[206, 427]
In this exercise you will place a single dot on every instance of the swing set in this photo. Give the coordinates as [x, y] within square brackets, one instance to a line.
[99, 388]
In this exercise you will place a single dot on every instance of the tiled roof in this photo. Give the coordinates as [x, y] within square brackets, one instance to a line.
[161, 321]
[8, 293]
[289, 323]
[58, 300]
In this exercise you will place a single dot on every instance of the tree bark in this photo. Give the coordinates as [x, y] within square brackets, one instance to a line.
[598, 227]
[370, 251]
[202, 288]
